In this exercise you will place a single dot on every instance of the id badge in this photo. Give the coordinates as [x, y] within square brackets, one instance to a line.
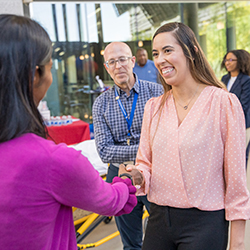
[128, 140]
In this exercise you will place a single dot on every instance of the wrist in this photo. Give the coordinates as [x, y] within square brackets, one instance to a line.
[128, 176]
[139, 178]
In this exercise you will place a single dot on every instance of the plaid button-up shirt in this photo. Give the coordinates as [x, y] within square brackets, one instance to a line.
[110, 126]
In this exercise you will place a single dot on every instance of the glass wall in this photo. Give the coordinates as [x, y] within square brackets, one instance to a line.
[80, 32]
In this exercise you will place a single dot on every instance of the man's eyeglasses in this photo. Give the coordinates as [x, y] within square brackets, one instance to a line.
[230, 60]
[122, 61]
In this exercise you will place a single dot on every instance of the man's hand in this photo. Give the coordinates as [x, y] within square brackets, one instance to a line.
[137, 176]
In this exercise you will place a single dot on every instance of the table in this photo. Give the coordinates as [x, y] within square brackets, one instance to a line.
[73, 133]
[88, 149]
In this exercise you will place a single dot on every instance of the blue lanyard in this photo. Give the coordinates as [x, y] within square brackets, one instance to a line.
[129, 120]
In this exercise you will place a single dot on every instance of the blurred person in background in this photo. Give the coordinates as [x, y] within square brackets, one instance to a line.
[145, 68]
[237, 81]
[117, 119]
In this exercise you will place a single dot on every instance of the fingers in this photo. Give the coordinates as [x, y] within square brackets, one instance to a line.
[129, 167]
[122, 169]
[122, 166]
[137, 176]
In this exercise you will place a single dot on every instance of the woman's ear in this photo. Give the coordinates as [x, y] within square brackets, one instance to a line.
[36, 79]
[196, 49]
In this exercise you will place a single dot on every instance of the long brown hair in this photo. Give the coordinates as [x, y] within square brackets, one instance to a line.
[199, 67]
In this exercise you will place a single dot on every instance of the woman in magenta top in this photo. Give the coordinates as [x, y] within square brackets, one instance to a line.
[191, 158]
[40, 181]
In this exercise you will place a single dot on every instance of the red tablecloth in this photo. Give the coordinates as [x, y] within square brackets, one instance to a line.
[73, 133]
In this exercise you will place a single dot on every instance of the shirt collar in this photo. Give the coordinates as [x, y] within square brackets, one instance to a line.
[135, 87]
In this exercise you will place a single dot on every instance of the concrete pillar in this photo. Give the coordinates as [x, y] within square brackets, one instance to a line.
[230, 29]
[191, 17]
[99, 59]
[231, 38]
[203, 43]
[11, 7]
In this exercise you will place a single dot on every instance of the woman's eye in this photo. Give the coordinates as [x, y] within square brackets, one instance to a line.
[154, 54]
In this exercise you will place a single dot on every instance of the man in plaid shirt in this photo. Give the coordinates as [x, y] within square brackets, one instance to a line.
[117, 117]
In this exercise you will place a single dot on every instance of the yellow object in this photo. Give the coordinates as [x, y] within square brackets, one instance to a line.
[76, 222]
[87, 223]
[100, 242]
[91, 218]
[88, 220]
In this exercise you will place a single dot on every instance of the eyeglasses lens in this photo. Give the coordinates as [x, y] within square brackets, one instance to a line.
[230, 60]
[122, 61]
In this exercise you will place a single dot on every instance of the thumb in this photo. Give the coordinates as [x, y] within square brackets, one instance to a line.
[122, 169]
[129, 168]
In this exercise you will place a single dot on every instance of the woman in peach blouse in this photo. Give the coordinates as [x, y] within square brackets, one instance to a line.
[191, 158]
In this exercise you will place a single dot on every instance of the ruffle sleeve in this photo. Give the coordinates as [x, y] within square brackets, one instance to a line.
[237, 202]
[144, 154]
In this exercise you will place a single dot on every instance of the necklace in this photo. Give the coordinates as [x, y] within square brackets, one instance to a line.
[186, 106]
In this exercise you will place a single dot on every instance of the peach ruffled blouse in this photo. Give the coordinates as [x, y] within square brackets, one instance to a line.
[200, 163]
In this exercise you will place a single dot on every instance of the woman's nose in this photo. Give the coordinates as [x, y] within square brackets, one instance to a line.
[160, 59]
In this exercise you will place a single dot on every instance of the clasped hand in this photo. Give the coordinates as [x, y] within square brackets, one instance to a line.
[137, 176]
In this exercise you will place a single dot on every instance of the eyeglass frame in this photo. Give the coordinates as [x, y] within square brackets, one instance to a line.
[118, 60]
[230, 60]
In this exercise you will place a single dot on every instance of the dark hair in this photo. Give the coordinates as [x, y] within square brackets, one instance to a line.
[24, 45]
[140, 49]
[243, 60]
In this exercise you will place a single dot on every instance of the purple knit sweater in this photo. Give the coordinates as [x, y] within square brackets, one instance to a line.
[40, 181]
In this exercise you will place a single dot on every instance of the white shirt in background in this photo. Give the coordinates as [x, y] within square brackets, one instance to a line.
[231, 82]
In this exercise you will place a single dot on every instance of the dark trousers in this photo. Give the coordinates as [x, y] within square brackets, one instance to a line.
[130, 225]
[185, 229]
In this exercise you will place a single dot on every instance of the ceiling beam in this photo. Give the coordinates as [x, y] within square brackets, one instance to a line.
[133, 1]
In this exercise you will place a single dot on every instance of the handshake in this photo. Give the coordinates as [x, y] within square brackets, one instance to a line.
[131, 172]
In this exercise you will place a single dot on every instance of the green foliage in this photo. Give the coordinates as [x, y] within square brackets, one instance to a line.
[220, 15]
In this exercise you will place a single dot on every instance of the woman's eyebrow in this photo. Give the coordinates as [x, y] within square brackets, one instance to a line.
[167, 47]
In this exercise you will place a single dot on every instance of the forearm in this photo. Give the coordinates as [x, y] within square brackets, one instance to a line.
[116, 153]
[237, 235]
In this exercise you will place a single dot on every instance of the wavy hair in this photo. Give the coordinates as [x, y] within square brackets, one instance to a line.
[24, 45]
[243, 60]
[199, 66]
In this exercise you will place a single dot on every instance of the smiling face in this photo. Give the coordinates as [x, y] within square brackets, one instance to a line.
[169, 59]
[231, 64]
[121, 74]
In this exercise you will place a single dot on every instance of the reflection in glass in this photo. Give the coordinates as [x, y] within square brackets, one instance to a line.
[91, 26]
[60, 22]
[72, 23]
[41, 10]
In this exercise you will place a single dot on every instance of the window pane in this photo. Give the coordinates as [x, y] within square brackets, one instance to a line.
[60, 22]
[72, 23]
[38, 12]
[120, 30]
[91, 20]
